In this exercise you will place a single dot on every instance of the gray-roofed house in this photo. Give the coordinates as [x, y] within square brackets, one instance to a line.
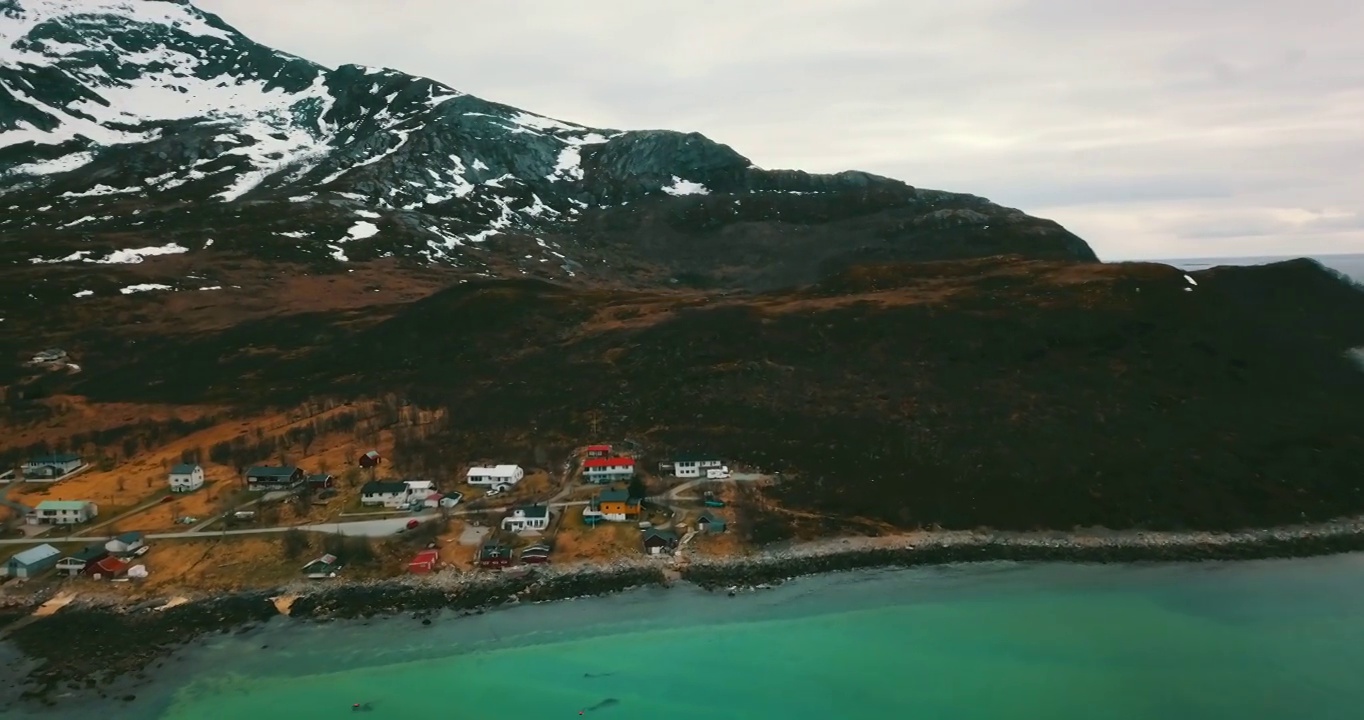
[33, 562]
[274, 478]
[76, 562]
[389, 493]
[530, 517]
[659, 542]
[186, 477]
[51, 467]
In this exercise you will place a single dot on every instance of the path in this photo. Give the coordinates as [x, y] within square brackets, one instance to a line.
[19, 509]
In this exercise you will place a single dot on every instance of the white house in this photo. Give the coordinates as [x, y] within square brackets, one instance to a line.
[62, 512]
[442, 500]
[420, 489]
[495, 476]
[51, 467]
[608, 470]
[534, 517]
[694, 466]
[388, 493]
[186, 478]
[126, 544]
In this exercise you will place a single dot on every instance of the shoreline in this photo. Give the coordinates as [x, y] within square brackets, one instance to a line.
[101, 647]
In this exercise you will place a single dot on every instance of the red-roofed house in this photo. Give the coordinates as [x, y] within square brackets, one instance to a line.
[608, 470]
[107, 569]
[424, 562]
[598, 451]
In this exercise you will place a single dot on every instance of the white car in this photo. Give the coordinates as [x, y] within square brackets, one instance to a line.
[720, 473]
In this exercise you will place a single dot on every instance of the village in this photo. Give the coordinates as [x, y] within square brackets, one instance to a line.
[201, 527]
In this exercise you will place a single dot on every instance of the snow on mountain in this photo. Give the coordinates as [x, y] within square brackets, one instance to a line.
[139, 123]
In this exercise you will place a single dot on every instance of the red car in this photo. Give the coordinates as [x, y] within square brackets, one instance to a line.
[412, 524]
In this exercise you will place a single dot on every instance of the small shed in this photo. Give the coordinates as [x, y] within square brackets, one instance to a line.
[33, 562]
[659, 542]
[370, 459]
[536, 554]
[326, 566]
[424, 562]
[108, 568]
[709, 522]
[321, 481]
[126, 544]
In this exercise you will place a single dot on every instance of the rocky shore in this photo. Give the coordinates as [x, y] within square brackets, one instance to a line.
[1097, 546]
[92, 646]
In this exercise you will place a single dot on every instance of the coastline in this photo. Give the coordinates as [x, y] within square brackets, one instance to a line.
[101, 647]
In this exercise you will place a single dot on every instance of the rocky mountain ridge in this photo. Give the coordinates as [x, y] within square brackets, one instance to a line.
[149, 125]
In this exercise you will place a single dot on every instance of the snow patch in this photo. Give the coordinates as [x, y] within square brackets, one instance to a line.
[99, 190]
[1191, 280]
[130, 256]
[83, 293]
[143, 287]
[362, 230]
[296, 234]
[685, 187]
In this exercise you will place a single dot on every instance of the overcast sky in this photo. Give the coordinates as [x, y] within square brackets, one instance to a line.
[1154, 129]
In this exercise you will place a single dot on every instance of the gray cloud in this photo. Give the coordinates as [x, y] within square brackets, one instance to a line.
[1165, 128]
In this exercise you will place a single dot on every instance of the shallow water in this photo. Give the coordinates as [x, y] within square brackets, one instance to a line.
[1274, 639]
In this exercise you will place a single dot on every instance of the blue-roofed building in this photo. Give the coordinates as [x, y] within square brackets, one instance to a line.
[33, 562]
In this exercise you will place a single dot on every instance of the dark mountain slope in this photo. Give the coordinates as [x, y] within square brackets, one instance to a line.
[1003, 393]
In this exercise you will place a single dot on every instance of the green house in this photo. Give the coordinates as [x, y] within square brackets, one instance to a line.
[709, 522]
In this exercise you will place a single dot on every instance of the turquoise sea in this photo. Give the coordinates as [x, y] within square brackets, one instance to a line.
[1256, 640]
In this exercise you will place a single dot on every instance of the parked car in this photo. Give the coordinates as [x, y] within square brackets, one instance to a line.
[412, 524]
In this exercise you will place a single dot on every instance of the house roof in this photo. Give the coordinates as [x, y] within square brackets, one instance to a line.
[534, 511]
[372, 454]
[319, 477]
[609, 462]
[36, 555]
[54, 459]
[383, 487]
[494, 471]
[660, 535]
[535, 552]
[537, 547]
[271, 472]
[425, 556]
[710, 518]
[129, 538]
[326, 561]
[599, 448]
[493, 550]
[419, 484]
[184, 469]
[111, 565]
[62, 505]
[89, 552]
[615, 496]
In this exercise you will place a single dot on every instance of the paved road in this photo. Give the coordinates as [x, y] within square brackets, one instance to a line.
[367, 528]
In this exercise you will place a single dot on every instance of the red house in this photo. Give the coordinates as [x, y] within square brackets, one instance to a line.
[598, 451]
[107, 569]
[370, 459]
[493, 555]
[424, 562]
[535, 554]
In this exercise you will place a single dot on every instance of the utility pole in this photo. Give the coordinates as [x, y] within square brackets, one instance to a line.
[594, 423]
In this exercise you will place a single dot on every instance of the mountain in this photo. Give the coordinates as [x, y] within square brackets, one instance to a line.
[153, 127]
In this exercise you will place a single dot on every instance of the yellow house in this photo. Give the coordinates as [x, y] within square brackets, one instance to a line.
[612, 505]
